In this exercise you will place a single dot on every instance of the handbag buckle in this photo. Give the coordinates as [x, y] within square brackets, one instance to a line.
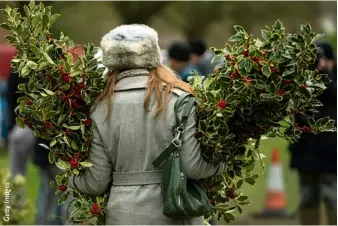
[176, 142]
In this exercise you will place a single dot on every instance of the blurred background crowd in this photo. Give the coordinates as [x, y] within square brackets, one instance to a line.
[186, 31]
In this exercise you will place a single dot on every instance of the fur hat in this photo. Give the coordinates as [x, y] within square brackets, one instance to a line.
[133, 46]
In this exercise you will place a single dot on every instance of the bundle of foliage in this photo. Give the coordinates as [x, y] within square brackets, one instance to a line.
[256, 90]
[58, 98]
[257, 85]
[15, 206]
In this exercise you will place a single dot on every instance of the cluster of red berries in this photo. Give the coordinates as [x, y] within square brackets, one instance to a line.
[231, 193]
[48, 125]
[28, 102]
[304, 129]
[62, 188]
[28, 123]
[95, 209]
[222, 104]
[87, 122]
[74, 161]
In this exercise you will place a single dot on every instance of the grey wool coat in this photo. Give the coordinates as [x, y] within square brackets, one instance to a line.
[124, 147]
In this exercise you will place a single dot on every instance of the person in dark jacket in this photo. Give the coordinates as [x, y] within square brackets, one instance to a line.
[201, 56]
[315, 156]
[179, 57]
[46, 205]
[20, 141]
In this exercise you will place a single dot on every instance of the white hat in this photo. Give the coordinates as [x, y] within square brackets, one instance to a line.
[132, 46]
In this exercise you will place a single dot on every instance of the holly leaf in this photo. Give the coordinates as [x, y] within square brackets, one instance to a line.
[266, 71]
[20, 122]
[48, 58]
[86, 164]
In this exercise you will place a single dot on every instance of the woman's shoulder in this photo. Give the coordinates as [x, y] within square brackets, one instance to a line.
[179, 92]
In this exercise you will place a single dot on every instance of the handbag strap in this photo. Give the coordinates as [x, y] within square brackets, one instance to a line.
[176, 143]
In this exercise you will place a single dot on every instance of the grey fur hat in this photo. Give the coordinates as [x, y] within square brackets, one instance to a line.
[133, 46]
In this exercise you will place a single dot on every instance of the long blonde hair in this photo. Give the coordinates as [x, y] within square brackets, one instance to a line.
[157, 77]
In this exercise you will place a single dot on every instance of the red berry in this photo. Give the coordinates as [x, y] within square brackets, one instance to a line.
[212, 202]
[65, 98]
[28, 102]
[273, 69]
[73, 113]
[87, 122]
[95, 209]
[228, 57]
[303, 86]
[66, 77]
[265, 52]
[62, 187]
[255, 59]
[68, 132]
[26, 121]
[47, 125]
[233, 63]
[246, 53]
[307, 129]
[247, 80]
[222, 104]
[74, 163]
[275, 49]
[231, 193]
[74, 104]
[287, 82]
[280, 92]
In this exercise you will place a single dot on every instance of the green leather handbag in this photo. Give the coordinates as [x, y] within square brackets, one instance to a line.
[182, 197]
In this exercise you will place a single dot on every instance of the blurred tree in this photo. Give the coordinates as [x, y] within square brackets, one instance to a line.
[138, 11]
[194, 18]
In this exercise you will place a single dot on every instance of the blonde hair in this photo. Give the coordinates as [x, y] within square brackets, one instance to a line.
[158, 77]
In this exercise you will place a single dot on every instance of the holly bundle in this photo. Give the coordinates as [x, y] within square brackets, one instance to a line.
[258, 87]
[255, 91]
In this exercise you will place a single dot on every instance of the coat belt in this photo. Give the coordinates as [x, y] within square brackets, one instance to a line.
[137, 178]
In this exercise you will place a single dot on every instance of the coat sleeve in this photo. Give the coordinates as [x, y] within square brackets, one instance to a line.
[96, 179]
[193, 164]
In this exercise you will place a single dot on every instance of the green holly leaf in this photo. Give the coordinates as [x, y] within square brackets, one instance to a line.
[48, 58]
[51, 156]
[76, 171]
[266, 71]
[25, 71]
[63, 198]
[74, 145]
[265, 34]
[32, 4]
[250, 181]
[6, 26]
[32, 65]
[52, 184]
[74, 127]
[62, 165]
[20, 122]
[236, 38]
[99, 199]
[239, 29]
[86, 164]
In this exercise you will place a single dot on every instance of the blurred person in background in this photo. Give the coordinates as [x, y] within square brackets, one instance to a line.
[201, 56]
[315, 156]
[20, 141]
[179, 58]
[47, 202]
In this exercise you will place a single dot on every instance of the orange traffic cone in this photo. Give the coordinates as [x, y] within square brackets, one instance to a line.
[275, 203]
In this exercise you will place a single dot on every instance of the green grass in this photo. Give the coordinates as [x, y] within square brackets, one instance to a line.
[256, 193]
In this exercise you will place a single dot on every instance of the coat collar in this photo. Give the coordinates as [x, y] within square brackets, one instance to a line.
[132, 79]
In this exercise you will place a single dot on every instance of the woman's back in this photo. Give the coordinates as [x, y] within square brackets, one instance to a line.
[125, 143]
